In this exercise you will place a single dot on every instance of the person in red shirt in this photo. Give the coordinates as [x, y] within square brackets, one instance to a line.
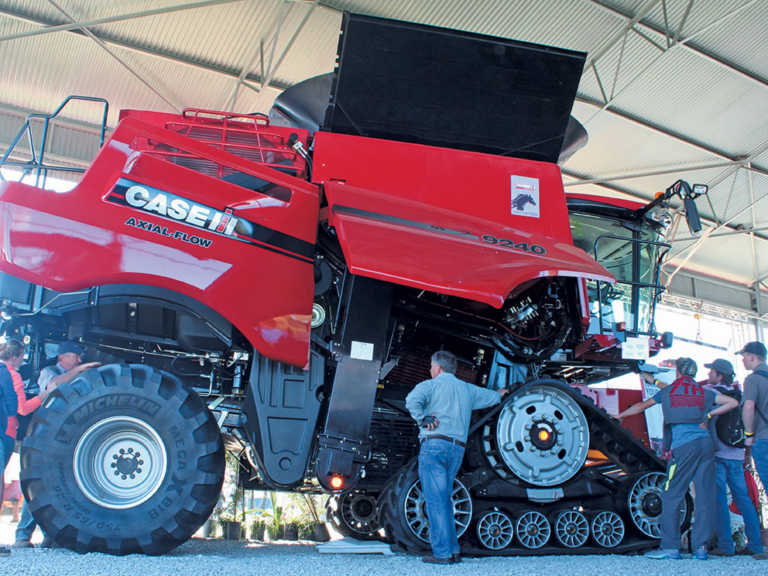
[11, 357]
[25, 405]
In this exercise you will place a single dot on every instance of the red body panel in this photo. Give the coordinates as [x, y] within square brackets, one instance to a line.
[610, 201]
[442, 219]
[79, 239]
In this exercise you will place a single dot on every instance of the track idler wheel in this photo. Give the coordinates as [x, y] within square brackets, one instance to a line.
[533, 529]
[495, 530]
[571, 528]
[644, 504]
[404, 514]
[607, 529]
[354, 514]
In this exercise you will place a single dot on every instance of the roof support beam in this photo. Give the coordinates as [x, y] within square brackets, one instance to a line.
[672, 46]
[674, 135]
[692, 47]
[122, 62]
[164, 55]
[652, 172]
[109, 19]
[749, 231]
[704, 237]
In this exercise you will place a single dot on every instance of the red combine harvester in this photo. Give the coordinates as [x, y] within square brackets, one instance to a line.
[278, 283]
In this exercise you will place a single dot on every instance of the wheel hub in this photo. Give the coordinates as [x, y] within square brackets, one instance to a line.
[127, 463]
[541, 436]
[652, 504]
[119, 462]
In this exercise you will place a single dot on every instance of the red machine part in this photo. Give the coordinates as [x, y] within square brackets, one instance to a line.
[260, 277]
[443, 220]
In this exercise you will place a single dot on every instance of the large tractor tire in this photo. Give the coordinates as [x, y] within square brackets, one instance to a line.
[353, 513]
[403, 511]
[122, 460]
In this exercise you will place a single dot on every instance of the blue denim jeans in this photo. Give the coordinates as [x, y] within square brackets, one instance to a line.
[439, 461]
[730, 473]
[760, 456]
[26, 525]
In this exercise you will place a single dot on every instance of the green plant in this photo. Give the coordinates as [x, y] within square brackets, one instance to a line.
[273, 517]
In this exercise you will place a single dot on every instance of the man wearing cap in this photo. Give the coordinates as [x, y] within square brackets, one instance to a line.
[686, 407]
[729, 472]
[67, 368]
[755, 410]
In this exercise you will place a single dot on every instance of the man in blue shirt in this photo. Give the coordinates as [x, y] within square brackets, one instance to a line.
[443, 408]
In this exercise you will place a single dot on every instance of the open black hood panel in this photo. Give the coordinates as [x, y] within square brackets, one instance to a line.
[415, 83]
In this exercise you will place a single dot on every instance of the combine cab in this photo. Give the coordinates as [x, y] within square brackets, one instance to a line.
[278, 283]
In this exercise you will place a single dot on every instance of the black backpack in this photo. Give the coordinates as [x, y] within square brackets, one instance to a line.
[729, 426]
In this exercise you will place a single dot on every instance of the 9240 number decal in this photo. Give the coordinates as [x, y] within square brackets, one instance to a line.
[505, 243]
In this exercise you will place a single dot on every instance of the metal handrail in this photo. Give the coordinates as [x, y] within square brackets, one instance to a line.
[658, 288]
[38, 163]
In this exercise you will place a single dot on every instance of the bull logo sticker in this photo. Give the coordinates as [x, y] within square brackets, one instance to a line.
[524, 196]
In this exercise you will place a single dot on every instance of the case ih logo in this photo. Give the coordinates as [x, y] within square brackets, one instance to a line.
[154, 201]
[166, 205]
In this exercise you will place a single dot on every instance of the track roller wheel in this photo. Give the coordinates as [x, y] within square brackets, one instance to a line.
[608, 529]
[533, 529]
[353, 513]
[495, 530]
[571, 528]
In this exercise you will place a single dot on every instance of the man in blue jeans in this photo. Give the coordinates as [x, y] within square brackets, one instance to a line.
[443, 408]
[729, 473]
[755, 409]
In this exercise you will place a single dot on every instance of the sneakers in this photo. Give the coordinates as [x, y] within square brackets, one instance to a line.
[761, 556]
[700, 554]
[22, 544]
[718, 552]
[662, 554]
[48, 543]
[5, 551]
[435, 560]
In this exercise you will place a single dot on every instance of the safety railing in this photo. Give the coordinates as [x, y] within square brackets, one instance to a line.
[248, 136]
[37, 150]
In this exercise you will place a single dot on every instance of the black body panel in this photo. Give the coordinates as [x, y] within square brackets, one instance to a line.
[415, 83]
[281, 413]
